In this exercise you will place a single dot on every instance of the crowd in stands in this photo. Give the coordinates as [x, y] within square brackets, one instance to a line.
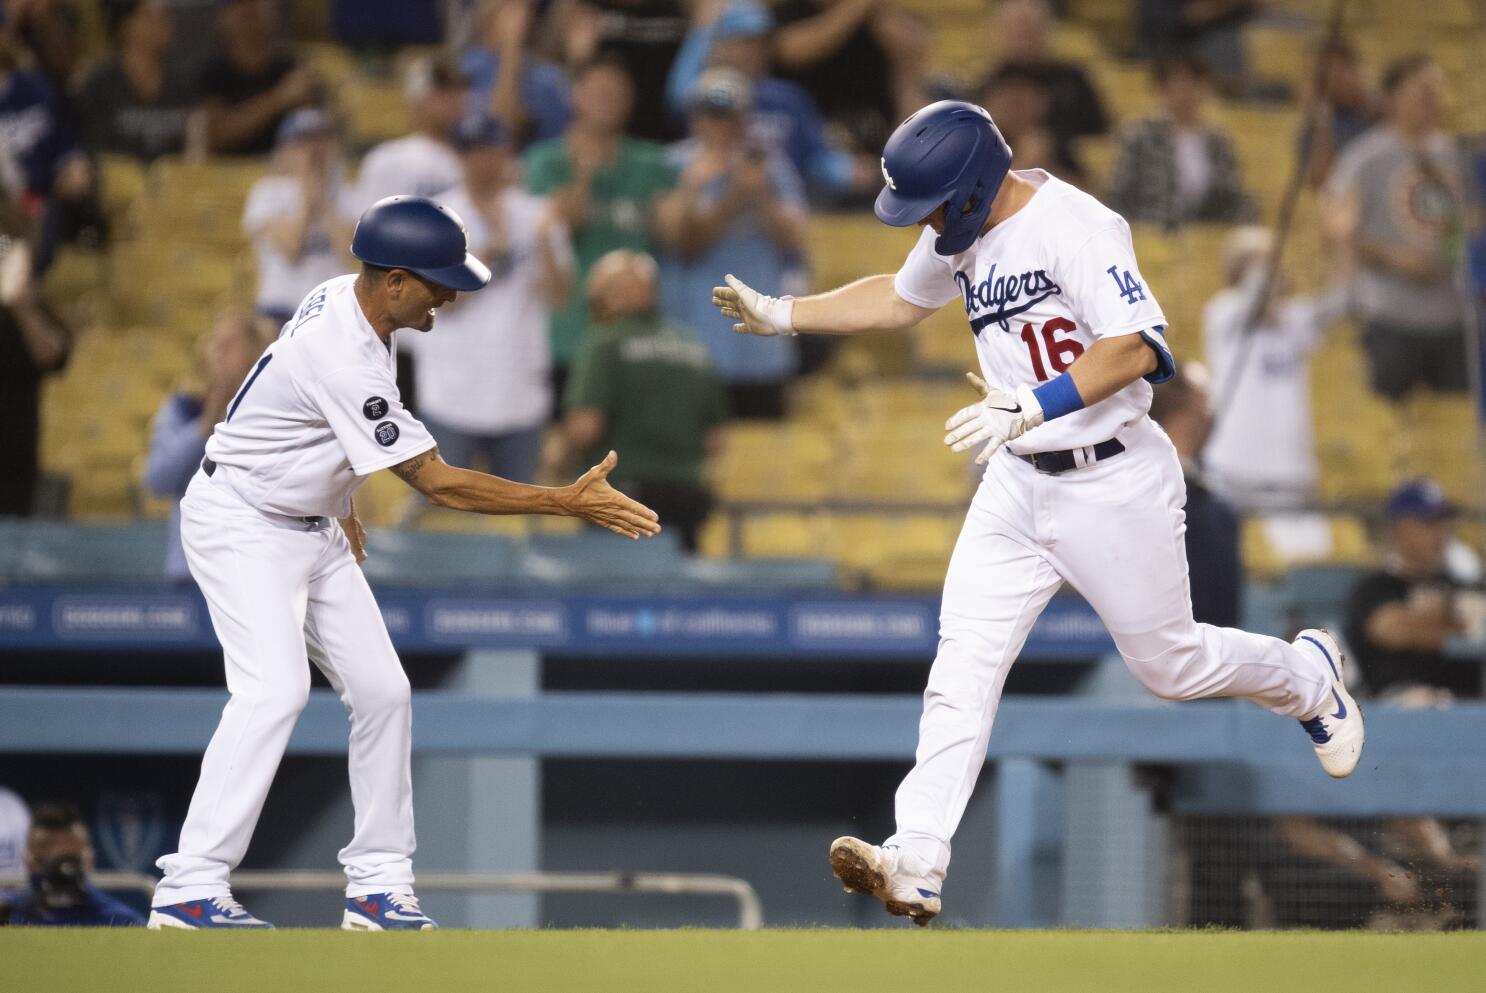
[612, 159]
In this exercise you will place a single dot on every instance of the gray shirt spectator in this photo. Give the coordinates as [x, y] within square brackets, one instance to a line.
[1395, 200]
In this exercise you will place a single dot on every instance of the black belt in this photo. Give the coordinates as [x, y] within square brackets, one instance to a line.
[1053, 463]
[209, 467]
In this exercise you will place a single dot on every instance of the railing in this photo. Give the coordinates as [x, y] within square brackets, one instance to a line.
[750, 909]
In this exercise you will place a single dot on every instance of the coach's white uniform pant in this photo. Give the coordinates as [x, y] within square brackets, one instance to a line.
[271, 582]
[1114, 530]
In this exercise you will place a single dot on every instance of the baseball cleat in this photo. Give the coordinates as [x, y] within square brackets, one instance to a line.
[880, 871]
[214, 912]
[385, 912]
[1337, 730]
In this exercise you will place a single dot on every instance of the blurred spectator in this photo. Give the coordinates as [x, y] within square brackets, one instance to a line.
[738, 35]
[1211, 28]
[135, 102]
[1182, 407]
[1262, 454]
[1172, 169]
[861, 60]
[34, 342]
[51, 31]
[1343, 110]
[484, 372]
[1021, 109]
[1399, 618]
[529, 95]
[604, 185]
[185, 419]
[1394, 196]
[1022, 33]
[39, 157]
[645, 389]
[253, 82]
[421, 164]
[738, 208]
[59, 859]
[300, 217]
[15, 824]
[644, 35]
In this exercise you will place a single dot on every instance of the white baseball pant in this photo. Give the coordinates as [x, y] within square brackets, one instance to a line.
[271, 583]
[1114, 530]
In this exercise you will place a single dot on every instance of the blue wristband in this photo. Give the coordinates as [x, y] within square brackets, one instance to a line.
[1058, 396]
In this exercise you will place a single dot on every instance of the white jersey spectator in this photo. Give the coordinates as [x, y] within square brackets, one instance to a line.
[15, 824]
[423, 163]
[299, 219]
[1262, 452]
[484, 381]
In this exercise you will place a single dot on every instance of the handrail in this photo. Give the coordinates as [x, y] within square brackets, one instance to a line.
[750, 908]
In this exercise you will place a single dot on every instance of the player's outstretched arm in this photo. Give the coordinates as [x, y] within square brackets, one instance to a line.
[1111, 364]
[862, 307]
[590, 497]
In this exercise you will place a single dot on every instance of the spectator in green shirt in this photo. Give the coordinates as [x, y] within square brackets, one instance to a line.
[646, 388]
[610, 190]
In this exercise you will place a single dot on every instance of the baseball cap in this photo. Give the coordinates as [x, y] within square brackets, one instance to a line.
[743, 19]
[1420, 498]
[480, 131]
[720, 90]
[306, 122]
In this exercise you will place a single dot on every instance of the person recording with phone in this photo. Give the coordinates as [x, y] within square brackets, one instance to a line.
[737, 206]
[59, 859]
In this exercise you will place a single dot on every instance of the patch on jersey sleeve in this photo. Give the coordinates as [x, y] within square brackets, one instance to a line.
[1127, 285]
[374, 409]
[386, 433]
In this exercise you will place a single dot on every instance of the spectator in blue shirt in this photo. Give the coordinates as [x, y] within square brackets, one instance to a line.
[59, 859]
[38, 152]
[742, 211]
[783, 116]
[186, 418]
[527, 95]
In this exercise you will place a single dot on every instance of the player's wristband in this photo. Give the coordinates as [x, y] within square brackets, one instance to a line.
[1058, 396]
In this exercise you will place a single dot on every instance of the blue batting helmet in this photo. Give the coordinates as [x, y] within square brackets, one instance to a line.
[421, 236]
[948, 153]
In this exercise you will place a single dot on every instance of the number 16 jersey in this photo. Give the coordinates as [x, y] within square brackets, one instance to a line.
[1040, 288]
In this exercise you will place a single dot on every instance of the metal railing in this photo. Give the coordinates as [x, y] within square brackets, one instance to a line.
[750, 909]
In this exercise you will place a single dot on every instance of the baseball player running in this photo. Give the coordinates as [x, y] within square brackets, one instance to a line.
[317, 414]
[1081, 486]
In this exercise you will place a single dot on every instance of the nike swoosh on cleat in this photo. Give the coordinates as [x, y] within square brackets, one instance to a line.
[393, 915]
[1341, 708]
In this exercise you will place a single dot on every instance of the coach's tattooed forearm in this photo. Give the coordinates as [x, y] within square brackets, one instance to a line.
[408, 471]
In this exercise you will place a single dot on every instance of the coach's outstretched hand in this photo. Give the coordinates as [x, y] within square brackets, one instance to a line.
[594, 500]
[996, 419]
[755, 313]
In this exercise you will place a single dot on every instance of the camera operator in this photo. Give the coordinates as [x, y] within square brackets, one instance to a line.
[59, 859]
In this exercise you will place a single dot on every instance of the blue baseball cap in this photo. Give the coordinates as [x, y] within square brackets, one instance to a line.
[480, 131]
[743, 19]
[306, 122]
[1420, 498]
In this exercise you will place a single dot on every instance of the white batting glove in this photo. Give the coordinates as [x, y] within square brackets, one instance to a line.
[995, 420]
[755, 313]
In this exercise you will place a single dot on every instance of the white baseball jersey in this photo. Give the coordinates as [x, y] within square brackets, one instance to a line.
[1040, 288]
[317, 413]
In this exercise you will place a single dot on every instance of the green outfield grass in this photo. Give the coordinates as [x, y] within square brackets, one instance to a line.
[795, 961]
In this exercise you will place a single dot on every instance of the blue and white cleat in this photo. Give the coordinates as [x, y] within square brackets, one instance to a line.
[1337, 730]
[215, 912]
[888, 873]
[385, 912]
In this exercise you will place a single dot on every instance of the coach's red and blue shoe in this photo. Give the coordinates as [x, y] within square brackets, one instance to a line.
[216, 912]
[1336, 732]
[385, 912]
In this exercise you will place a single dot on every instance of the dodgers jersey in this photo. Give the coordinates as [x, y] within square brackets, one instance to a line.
[318, 412]
[1040, 288]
